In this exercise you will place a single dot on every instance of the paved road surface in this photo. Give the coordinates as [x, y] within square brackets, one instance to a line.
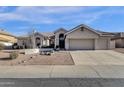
[65, 82]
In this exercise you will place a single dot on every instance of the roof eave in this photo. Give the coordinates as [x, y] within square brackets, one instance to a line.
[82, 26]
[107, 35]
[59, 30]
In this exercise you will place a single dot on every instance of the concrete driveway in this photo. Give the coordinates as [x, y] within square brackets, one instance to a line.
[97, 57]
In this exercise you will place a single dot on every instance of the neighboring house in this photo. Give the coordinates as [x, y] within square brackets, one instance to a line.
[6, 38]
[119, 40]
[24, 42]
[36, 40]
[81, 37]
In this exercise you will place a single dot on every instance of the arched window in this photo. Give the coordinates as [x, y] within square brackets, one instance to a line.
[38, 42]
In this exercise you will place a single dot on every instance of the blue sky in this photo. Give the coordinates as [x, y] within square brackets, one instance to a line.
[20, 20]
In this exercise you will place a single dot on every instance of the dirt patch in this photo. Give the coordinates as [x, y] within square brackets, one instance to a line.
[121, 50]
[57, 58]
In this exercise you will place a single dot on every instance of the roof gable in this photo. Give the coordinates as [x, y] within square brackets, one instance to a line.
[85, 34]
[60, 29]
[2, 31]
[37, 33]
[47, 34]
[82, 25]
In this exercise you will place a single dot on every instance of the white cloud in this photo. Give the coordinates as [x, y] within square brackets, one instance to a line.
[9, 16]
[50, 15]
[32, 14]
[62, 9]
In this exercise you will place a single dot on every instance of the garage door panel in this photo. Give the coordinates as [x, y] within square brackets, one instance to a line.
[103, 44]
[85, 44]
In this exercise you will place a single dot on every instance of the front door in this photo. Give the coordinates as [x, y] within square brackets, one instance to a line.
[62, 44]
[61, 41]
[38, 42]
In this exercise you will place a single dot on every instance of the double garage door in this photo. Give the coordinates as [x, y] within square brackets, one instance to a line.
[81, 44]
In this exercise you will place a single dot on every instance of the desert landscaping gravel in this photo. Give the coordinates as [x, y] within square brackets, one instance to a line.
[57, 58]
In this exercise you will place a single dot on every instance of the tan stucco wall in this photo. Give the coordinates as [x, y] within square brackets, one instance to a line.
[119, 43]
[112, 44]
[57, 36]
[41, 38]
[78, 34]
[30, 42]
[86, 34]
[99, 42]
[26, 41]
[46, 42]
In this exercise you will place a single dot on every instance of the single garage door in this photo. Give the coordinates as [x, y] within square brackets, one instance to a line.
[81, 44]
[103, 43]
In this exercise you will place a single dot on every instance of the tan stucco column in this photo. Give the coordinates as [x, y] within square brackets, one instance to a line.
[66, 43]
[33, 42]
[56, 42]
[108, 43]
[96, 44]
[41, 42]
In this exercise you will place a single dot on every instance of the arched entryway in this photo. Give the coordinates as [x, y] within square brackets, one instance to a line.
[38, 42]
[61, 41]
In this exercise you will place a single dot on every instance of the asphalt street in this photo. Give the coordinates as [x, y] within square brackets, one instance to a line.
[61, 82]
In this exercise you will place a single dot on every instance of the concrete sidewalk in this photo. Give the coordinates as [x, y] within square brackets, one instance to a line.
[78, 71]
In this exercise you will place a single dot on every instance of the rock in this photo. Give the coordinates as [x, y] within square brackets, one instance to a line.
[31, 51]
[32, 57]
[23, 61]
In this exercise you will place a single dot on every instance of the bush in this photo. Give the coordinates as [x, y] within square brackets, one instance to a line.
[15, 46]
[57, 46]
[14, 55]
[1, 46]
[45, 46]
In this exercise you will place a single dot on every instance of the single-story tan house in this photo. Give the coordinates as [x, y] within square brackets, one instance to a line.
[81, 37]
[6, 38]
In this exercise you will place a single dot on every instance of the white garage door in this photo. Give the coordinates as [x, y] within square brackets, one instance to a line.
[84, 44]
[103, 44]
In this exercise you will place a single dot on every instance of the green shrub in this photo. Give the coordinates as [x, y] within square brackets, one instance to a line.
[1, 46]
[14, 55]
[45, 46]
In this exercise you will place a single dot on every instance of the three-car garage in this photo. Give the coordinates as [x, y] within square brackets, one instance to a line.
[86, 39]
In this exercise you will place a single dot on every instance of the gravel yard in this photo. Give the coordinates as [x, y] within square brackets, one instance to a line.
[57, 58]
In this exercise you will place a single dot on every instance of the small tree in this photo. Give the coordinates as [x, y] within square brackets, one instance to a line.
[1, 46]
[14, 55]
